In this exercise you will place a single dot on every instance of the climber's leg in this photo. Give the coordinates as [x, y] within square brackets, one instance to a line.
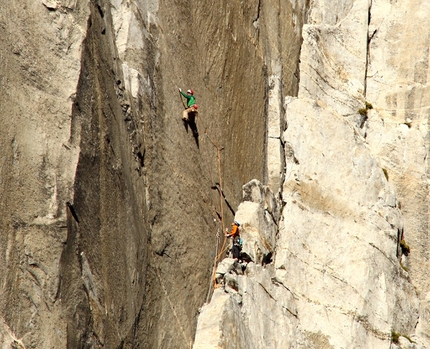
[185, 114]
[236, 252]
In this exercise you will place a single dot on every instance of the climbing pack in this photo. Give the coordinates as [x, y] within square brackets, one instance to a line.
[238, 241]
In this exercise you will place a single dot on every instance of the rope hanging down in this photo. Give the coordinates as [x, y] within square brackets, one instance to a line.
[223, 248]
[221, 198]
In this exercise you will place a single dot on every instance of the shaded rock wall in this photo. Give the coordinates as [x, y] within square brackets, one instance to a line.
[104, 263]
[110, 219]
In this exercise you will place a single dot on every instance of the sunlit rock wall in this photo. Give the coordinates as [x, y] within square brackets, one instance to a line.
[355, 186]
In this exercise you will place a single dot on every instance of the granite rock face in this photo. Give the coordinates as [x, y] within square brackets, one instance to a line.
[110, 203]
[41, 60]
[339, 237]
[355, 191]
[112, 207]
[398, 126]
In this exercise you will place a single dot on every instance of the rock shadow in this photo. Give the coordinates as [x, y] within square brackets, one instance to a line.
[191, 124]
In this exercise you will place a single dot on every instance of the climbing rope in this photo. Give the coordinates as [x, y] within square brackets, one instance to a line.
[180, 96]
[224, 247]
[213, 277]
[212, 284]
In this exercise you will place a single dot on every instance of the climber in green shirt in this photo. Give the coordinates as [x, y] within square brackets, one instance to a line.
[191, 104]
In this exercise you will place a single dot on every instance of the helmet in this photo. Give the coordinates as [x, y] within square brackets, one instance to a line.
[237, 223]
[191, 92]
[195, 106]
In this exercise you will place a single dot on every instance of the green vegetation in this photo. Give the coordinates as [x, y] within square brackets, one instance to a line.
[405, 247]
[408, 122]
[385, 173]
[408, 338]
[363, 111]
[395, 337]
[403, 267]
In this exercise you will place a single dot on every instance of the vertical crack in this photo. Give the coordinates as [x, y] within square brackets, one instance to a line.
[255, 21]
[369, 39]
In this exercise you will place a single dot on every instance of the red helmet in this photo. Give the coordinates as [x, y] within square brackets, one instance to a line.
[191, 92]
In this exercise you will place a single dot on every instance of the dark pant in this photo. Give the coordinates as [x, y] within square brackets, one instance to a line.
[235, 251]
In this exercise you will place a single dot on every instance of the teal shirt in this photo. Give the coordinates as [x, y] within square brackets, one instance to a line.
[191, 100]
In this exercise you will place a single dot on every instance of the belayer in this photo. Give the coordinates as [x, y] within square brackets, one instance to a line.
[237, 240]
[191, 103]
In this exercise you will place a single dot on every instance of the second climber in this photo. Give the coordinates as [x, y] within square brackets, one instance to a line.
[237, 241]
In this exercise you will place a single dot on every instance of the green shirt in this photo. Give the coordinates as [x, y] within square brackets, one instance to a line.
[191, 100]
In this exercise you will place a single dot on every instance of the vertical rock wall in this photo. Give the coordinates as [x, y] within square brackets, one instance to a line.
[104, 262]
[41, 59]
[398, 126]
[111, 205]
[111, 208]
[355, 186]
